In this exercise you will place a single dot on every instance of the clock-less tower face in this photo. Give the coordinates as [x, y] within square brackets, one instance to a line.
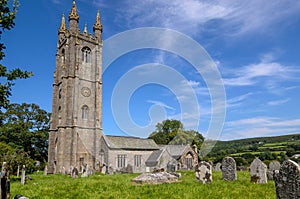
[76, 122]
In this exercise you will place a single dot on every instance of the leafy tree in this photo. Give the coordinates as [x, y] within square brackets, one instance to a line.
[25, 126]
[172, 132]
[7, 77]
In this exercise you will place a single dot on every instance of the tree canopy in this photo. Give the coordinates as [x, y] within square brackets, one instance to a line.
[7, 16]
[173, 132]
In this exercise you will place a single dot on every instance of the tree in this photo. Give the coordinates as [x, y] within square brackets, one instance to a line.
[7, 17]
[172, 132]
[26, 126]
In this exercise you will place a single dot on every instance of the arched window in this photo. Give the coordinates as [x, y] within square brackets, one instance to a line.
[63, 57]
[85, 112]
[86, 55]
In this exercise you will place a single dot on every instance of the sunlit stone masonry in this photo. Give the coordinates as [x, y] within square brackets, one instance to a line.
[287, 180]
[229, 169]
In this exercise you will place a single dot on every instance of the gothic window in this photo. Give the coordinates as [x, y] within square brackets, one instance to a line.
[85, 112]
[63, 56]
[86, 55]
[121, 161]
[137, 160]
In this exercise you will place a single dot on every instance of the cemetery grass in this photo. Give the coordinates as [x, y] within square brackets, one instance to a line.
[120, 186]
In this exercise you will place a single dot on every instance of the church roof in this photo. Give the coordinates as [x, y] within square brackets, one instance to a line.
[176, 151]
[124, 142]
[154, 158]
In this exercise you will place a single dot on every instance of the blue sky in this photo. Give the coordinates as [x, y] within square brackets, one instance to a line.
[254, 44]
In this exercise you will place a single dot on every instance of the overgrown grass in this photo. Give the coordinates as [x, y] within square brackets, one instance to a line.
[120, 186]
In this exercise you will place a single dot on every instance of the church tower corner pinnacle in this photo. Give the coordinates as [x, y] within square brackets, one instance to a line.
[73, 19]
[62, 28]
[98, 26]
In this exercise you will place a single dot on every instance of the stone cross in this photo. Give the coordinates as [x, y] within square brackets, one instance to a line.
[258, 171]
[23, 175]
[204, 172]
[287, 180]
[229, 169]
[4, 183]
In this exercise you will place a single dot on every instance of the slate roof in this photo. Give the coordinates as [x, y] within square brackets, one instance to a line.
[153, 159]
[125, 142]
[176, 151]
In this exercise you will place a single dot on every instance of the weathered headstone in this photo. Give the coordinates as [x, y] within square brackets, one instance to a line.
[218, 166]
[203, 172]
[18, 196]
[229, 169]
[110, 170]
[4, 183]
[129, 168]
[74, 173]
[274, 165]
[23, 175]
[258, 171]
[45, 170]
[171, 167]
[104, 169]
[155, 178]
[18, 171]
[287, 180]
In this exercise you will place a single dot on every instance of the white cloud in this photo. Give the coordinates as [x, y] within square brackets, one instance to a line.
[278, 102]
[235, 16]
[237, 101]
[249, 75]
[161, 104]
[259, 127]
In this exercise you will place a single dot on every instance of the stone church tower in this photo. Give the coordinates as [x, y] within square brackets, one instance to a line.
[76, 122]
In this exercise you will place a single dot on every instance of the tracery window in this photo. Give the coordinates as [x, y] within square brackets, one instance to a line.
[121, 161]
[137, 160]
[86, 55]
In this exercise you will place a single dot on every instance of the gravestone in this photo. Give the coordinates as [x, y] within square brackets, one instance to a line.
[204, 172]
[274, 165]
[258, 171]
[23, 175]
[129, 168]
[229, 169]
[155, 178]
[18, 196]
[110, 170]
[45, 170]
[18, 171]
[104, 169]
[74, 173]
[4, 183]
[171, 167]
[287, 180]
[218, 166]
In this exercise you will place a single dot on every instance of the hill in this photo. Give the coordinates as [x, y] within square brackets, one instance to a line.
[266, 148]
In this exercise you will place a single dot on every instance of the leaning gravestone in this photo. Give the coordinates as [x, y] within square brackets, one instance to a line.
[104, 169]
[274, 165]
[229, 169]
[287, 180]
[4, 183]
[258, 171]
[204, 172]
[218, 167]
[23, 175]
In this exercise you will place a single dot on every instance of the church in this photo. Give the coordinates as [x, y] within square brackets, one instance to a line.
[75, 135]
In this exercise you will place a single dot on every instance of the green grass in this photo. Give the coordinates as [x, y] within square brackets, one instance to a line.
[120, 186]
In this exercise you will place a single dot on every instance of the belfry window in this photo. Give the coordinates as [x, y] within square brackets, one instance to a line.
[85, 112]
[86, 55]
[63, 57]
